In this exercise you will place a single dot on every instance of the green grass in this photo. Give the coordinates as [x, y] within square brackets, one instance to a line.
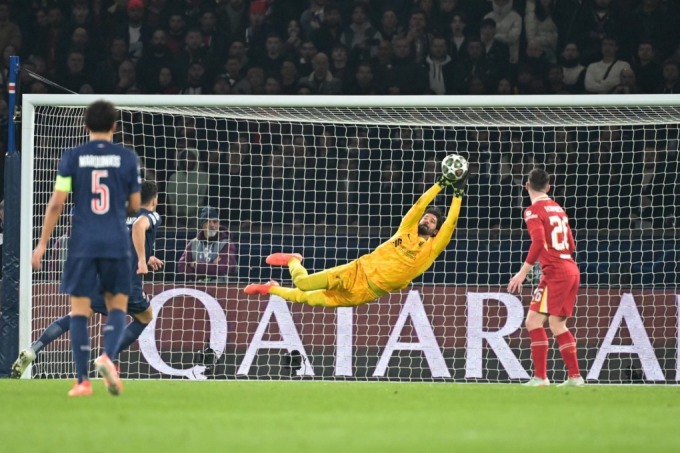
[231, 416]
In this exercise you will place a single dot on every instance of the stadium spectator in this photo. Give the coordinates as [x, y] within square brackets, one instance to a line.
[157, 55]
[364, 81]
[273, 56]
[126, 80]
[496, 52]
[556, 81]
[293, 38]
[186, 190]
[647, 70]
[457, 38]
[176, 33]
[289, 77]
[440, 67]
[213, 38]
[475, 66]
[197, 80]
[107, 69]
[628, 84]
[540, 27]
[508, 26]
[307, 52]
[328, 34]
[234, 16]
[360, 37]
[133, 29]
[418, 36]
[671, 78]
[321, 80]
[602, 76]
[75, 76]
[210, 257]
[573, 70]
[389, 25]
[405, 76]
[313, 17]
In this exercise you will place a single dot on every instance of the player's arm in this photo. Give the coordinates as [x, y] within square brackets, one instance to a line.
[443, 237]
[537, 234]
[139, 242]
[62, 187]
[414, 214]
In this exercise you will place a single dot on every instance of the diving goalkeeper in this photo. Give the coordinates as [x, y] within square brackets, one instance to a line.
[423, 234]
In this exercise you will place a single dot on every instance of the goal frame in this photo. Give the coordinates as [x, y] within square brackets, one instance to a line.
[31, 101]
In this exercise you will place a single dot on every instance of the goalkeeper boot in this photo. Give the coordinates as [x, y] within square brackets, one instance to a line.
[282, 259]
[573, 382]
[22, 362]
[537, 382]
[260, 288]
[81, 389]
[107, 370]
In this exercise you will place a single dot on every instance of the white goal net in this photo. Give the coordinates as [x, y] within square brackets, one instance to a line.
[331, 178]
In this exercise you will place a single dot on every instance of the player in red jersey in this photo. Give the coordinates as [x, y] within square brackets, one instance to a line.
[552, 244]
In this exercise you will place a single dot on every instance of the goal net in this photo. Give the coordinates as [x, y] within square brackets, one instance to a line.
[331, 178]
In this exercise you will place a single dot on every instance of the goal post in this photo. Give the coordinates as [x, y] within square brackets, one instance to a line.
[330, 177]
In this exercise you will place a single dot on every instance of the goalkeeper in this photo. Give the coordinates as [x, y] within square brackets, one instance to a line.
[423, 234]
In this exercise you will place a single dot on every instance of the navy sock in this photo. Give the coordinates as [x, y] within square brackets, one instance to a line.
[113, 332]
[53, 331]
[80, 342]
[132, 332]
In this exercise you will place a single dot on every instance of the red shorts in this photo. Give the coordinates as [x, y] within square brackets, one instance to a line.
[556, 297]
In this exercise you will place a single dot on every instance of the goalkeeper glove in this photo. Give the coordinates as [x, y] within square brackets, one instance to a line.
[444, 182]
[459, 186]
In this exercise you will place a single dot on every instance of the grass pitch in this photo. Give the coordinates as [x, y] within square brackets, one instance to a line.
[238, 416]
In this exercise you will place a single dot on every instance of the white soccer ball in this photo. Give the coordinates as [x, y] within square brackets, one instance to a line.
[454, 167]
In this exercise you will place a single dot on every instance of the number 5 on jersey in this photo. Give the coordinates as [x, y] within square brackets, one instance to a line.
[100, 201]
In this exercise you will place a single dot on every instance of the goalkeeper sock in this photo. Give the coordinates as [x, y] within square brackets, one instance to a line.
[539, 352]
[53, 331]
[80, 344]
[113, 332]
[131, 333]
[567, 345]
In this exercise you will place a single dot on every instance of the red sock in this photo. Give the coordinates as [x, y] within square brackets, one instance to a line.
[568, 350]
[539, 352]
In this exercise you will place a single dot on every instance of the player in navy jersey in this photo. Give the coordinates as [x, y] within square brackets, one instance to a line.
[143, 227]
[552, 244]
[104, 178]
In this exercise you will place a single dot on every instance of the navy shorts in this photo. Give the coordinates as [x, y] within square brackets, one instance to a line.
[134, 306]
[84, 277]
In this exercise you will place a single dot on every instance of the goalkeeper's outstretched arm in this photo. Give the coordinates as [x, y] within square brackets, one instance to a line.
[414, 214]
[443, 237]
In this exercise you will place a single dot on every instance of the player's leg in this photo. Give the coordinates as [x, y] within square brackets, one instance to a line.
[301, 278]
[135, 328]
[79, 279]
[80, 343]
[314, 298]
[539, 339]
[114, 275]
[565, 340]
[28, 355]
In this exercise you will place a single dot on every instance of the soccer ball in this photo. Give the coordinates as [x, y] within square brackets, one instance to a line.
[454, 167]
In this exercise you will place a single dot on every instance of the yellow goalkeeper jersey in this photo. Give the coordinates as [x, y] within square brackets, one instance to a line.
[397, 261]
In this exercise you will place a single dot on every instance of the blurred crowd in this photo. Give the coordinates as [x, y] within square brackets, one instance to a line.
[343, 47]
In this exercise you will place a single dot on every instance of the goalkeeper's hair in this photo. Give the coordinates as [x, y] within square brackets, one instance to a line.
[538, 180]
[438, 214]
[149, 191]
